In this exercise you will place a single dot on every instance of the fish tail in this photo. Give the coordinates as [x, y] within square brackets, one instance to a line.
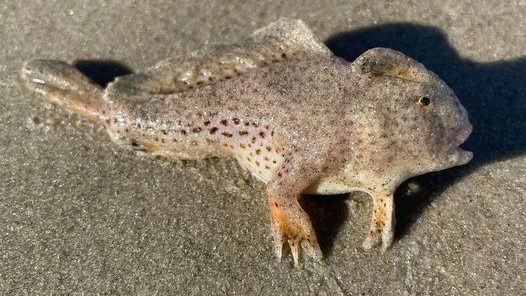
[62, 84]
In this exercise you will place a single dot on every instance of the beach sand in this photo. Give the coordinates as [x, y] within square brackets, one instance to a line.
[80, 216]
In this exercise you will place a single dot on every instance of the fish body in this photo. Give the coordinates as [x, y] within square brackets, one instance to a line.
[297, 117]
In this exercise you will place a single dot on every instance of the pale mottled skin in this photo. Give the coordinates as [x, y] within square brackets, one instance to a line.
[297, 117]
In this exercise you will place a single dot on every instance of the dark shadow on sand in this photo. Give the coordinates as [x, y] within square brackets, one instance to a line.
[102, 72]
[328, 213]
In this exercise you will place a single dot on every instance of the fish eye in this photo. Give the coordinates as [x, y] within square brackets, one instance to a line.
[424, 101]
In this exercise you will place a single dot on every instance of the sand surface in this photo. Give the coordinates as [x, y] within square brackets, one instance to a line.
[81, 216]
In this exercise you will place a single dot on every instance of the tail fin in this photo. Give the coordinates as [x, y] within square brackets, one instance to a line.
[64, 85]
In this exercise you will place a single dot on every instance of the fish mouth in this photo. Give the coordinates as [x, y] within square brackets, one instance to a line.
[460, 156]
[457, 155]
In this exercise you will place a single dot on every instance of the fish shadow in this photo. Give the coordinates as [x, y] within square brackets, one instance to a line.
[494, 94]
[102, 72]
[327, 213]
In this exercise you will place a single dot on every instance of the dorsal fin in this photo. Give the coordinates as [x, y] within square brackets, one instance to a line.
[386, 61]
[282, 40]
